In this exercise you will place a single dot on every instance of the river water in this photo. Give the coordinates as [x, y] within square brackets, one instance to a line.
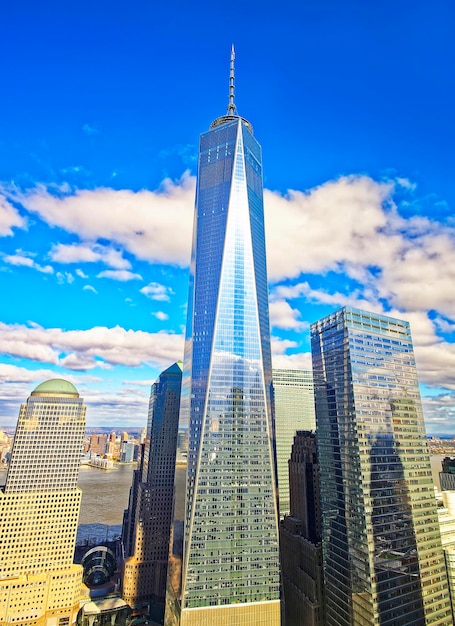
[104, 493]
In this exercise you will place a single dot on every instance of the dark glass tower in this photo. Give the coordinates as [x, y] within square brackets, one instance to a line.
[383, 561]
[300, 537]
[148, 519]
[230, 568]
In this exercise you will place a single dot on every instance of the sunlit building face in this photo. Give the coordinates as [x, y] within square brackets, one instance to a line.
[230, 540]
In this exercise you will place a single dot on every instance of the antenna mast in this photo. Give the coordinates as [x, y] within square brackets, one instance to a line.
[231, 106]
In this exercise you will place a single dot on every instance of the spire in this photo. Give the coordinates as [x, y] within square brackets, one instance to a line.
[231, 113]
[231, 106]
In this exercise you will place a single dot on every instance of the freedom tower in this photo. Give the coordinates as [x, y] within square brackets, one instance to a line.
[228, 541]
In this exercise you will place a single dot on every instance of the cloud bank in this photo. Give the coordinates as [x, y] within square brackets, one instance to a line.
[354, 228]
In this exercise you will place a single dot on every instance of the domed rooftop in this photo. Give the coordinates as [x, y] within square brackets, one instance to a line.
[56, 386]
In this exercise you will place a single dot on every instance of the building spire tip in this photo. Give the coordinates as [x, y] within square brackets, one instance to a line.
[231, 105]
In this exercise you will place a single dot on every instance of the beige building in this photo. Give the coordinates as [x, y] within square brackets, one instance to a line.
[39, 510]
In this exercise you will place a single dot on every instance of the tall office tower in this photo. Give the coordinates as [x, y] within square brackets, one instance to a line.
[39, 511]
[294, 410]
[383, 562]
[230, 570]
[147, 538]
[300, 537]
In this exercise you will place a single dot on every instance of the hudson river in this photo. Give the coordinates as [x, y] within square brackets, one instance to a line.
[104, 493]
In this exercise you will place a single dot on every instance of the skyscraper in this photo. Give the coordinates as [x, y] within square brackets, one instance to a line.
[300, 537]
[147, 525]
[383, 562]
[294, 410]
[230, 568]
[39, 510]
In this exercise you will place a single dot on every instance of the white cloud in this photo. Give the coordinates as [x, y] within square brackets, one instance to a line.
[121, 275]
[347, 225]
[14, 374]
[444, 325]
[89, 288]
[89, 252]
[282, 360]
[279, 346]
[320, 296]
[151, 225]
[282, 315]
[21, 260]
[64, 277]
[156, 291]
[439, 412]
[87, 349]
[335, 222]
[9, 217]
[300, 361]
[160, 315]
[24, 260]
[80, 273]
[352, 226]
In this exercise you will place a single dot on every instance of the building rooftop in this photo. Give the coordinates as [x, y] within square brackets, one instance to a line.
[56, 386]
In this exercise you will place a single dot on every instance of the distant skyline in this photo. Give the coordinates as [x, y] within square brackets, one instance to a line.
[100, 118]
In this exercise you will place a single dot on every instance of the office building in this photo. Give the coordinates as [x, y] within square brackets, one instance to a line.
[447, 476]
[147, 523]
[300, 537]
[383, 561]
[98, 445]
[39, 511]
[446, 516]
[294, 410]
[230, 569]
[126, 451]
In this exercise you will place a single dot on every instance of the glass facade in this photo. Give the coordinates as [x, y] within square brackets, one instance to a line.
[383, 562]
[294, 410]
[230, 551]
[148, 519]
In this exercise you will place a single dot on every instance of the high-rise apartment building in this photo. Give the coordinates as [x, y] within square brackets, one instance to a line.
[383, 561]
[39, 511]
[300, 537]
[230, 568]
[294, 410]
[147, 522]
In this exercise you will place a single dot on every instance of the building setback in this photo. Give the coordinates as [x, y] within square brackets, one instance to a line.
[230, 566]
[39, 511]
[383, 561]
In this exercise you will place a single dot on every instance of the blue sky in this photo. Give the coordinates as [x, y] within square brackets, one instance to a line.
[100, 114]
